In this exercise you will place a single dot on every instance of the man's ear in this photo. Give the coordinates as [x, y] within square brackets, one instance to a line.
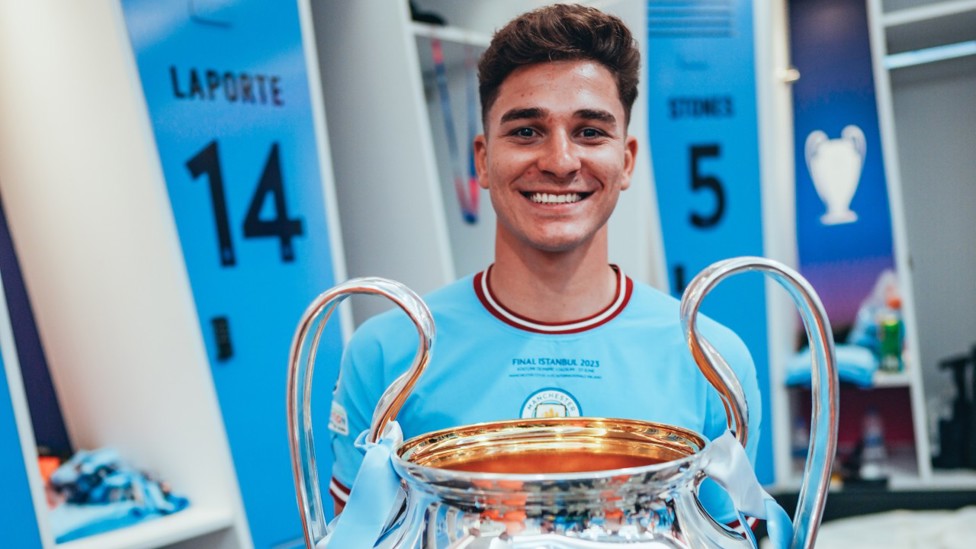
[630, 159]
[481, 159]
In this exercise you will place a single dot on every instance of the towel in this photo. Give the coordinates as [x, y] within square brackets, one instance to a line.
[855, 364]
[101, 493]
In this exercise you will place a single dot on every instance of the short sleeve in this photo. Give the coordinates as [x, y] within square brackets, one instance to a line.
[355, 395]
[737, 355]
[379, 350]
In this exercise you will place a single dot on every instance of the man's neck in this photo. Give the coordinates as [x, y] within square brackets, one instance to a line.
[553, 287]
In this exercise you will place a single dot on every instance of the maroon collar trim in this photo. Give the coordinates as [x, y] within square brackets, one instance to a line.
[625, 288]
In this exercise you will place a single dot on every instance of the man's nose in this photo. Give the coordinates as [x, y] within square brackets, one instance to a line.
[560, 156]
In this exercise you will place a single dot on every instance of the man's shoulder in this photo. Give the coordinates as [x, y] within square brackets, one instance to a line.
[649, 301]
[451, 294]
[394, 321]
[644, 290]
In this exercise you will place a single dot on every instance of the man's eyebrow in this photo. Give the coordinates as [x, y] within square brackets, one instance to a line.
[596, 114]
[531, 113]
[535, 113]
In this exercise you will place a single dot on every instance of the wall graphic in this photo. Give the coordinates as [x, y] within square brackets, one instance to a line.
[705, 157]
[229, 98]
[844, 234]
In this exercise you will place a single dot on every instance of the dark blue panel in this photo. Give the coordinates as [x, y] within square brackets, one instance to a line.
[45, 411]
[705, 156]
[228, 94]
[842, 258]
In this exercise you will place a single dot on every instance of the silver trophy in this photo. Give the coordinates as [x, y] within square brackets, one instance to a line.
[579, 482]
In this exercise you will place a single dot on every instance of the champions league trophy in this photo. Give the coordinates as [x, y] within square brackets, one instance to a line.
[559, 483]
[835, 167]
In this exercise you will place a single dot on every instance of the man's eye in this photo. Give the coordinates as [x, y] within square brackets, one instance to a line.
[524, 132]
[591, 132]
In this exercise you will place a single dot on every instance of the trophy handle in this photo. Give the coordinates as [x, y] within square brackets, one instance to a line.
[824, 386]
[300, 386]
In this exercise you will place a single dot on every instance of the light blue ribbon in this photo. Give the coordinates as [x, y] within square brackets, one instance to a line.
[778, 524]
[728, 464]
[374, 493]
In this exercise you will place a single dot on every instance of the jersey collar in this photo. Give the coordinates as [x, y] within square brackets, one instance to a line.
[625, 287]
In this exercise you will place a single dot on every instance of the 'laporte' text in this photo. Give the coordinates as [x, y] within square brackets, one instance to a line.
[233, 87]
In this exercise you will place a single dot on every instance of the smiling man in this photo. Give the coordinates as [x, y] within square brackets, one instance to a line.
[551, 327]
[554, 157]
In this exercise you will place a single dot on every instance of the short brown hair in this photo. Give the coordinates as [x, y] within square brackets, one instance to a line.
[561, 32]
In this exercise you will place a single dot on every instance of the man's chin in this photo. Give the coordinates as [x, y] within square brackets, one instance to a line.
[562, 244]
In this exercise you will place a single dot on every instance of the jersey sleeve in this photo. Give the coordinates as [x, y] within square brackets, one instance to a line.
[359, 387]
[737, 355]
[379, 350]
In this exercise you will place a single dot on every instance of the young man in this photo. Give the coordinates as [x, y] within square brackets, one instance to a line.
[551, 328]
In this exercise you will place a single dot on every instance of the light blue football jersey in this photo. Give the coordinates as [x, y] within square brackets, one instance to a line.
[488, 364]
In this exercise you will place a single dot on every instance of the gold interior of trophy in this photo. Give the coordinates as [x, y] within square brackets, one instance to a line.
[556, 445]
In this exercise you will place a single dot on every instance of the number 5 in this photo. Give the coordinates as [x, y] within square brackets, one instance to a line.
[706, 182]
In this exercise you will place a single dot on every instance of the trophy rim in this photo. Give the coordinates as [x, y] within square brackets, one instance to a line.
[670, 448]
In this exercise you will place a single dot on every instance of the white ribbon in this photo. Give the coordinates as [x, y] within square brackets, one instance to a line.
[728, 464]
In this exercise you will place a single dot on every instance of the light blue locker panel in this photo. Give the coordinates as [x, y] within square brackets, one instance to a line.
[18, 520]
[229, 98]
[705, 156]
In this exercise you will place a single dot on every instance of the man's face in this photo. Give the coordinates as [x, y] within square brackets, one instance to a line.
[555, 155]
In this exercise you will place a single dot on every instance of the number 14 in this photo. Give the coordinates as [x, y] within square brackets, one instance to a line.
[207, 162]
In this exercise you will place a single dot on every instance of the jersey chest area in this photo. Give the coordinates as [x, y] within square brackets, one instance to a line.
[524, 377]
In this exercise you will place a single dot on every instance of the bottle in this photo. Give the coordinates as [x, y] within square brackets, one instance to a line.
[874, 455]
[890, 335]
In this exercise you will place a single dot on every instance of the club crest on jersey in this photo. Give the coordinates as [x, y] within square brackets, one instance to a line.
[550, 402]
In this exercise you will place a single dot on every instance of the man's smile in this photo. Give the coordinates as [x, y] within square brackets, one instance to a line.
[555, 198]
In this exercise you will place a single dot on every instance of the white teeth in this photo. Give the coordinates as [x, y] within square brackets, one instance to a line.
[546, 198]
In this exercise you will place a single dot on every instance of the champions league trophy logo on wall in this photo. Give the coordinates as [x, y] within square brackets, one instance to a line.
[835, 167]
